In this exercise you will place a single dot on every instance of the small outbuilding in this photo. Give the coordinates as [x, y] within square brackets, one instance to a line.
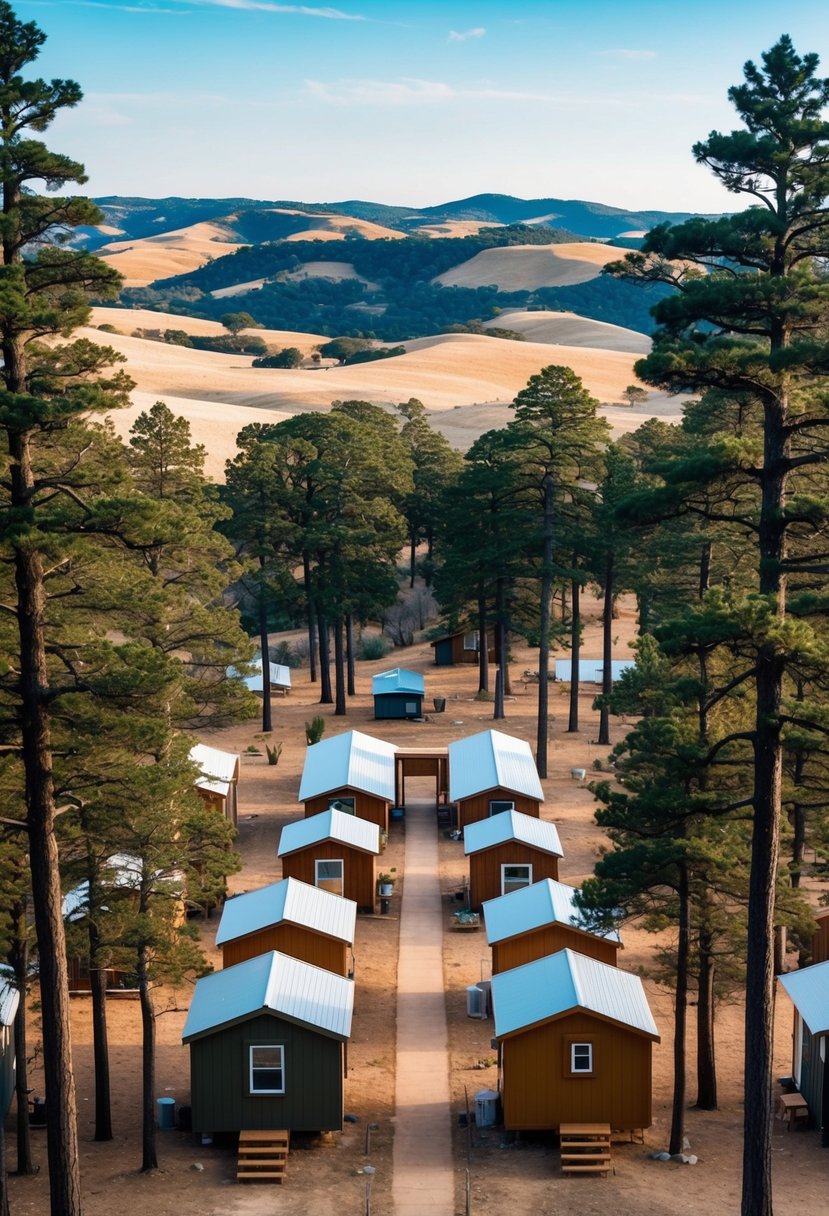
[491, 772]
[591, 671]
[9, 1002]
[352, 773]
[294, 918]
[808, 990]
[279, 675]
[267, 1045]
[575, 1041]
[333, 851]
[218, 778]
[398, 694]
[462, 646]
[507, 852]
[542, 919]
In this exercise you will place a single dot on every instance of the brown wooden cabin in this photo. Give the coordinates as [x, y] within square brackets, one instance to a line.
[820, 937]
[463, 646]
[353, 773]
[490, 773]
[575, 1044]
[218, 779]
[294, 918]
[267, 1045]
[334, 851]
[508, 851]
[538, 920]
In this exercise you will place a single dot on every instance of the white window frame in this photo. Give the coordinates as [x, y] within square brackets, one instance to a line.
[515, 865]
[581, 1048]
[503, 805]
[341, 805]
[472, 640]
[256, 1091]
[329, 861]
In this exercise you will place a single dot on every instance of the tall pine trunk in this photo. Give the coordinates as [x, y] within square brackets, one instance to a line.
[483, 646]
[47, 900]
[349, 655]
[706, 1058]
[607, 650]
[19, 959]
[325, 662]
[100, 1042]
[339, 670]
[312, 617]
[149, 1157]
[575, 656]
[680, 1014]
[264, 650]
[544, 630]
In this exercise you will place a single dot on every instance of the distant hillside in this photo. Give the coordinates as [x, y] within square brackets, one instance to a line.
[588, 219]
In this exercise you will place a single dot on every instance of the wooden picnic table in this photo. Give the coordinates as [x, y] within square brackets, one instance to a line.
[792, 1108]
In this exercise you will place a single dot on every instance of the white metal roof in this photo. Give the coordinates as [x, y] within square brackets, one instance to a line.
[279, 675]
[330, 825]
[9, 995]
[289, 900]
[511, 825]
[352, 759]
[591, 670]
[286, 986]
[121, 872]
[398, 680]
[219, 770]
[563, 982]
[490, 759]
[808, 990]
[542, 903]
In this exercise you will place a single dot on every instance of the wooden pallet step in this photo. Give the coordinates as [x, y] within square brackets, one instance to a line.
[263, 1148]
[586, 1159]
[262, 1156]
[586, 1169]
[585, 1144]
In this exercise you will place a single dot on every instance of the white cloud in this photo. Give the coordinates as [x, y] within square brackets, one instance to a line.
[266, 6]
[465, 35]
[620, 52]
[409, 91]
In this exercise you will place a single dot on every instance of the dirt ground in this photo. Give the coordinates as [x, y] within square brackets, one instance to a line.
[327, 1179]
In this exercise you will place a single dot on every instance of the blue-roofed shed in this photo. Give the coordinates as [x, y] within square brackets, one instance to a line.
[398, 694]
[808, 990]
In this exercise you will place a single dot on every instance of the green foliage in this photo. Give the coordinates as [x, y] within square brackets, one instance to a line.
[273, 753]
[371, 356]
[314, 730]
[235, 322]
[372, 646]
[288, 357]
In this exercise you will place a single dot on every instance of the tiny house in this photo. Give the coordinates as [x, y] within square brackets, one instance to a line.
[9, 1001]
[352, 773]
[398, 694]
[218, 778]
[542, 919]
[575, 1041]
[294, 918]
[279, 676]
[267, 1043]
[591, 671]
[491, 772]
[335, 852]
[808, 990]
[509, 851]
[463, 646]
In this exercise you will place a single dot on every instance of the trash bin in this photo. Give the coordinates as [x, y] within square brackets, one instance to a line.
[166, 1113]
[486, 1108]
[439, 704]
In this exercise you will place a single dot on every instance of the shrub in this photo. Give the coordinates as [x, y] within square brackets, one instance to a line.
[373, 646]
[314, 730]
[273, 753]
[287, 654]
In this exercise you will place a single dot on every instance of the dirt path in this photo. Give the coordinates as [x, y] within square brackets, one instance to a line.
[423, 1169]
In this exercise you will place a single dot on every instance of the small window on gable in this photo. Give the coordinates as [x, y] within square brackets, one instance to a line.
[346, 805]
[497, 805]
[470, 640]
[328, 876]
[266, 1072]
[515, 877]
[581, 1059]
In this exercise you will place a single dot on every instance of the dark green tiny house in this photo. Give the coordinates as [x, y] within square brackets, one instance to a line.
[267, 1045]
[808, 989]
[398, 694]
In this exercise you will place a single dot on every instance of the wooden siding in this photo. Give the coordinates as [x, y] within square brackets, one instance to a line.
[226, 806]
[470, 810]
[820, 940]
[449, 651]
[366, 806]
[358, 869]
[295, 940]
[538, 1094]
[314, 1066]
[549, 939]
[485, 868]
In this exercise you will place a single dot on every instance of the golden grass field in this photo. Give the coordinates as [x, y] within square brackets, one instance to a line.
[526, 267]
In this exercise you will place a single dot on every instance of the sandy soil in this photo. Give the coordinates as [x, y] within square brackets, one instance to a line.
[569, 329]
[453, 228]
[324, 1179]
[526, 267]
[159, 257]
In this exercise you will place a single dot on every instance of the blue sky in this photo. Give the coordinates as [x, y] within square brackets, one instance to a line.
[409, 102]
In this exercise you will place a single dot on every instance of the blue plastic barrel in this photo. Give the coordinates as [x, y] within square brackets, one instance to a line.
[166, 1113]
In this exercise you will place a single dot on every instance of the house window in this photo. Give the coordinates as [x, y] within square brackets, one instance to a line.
[346, 805]
[515, 877]
[328, 875]
[411, 707]
[470, 640]
[266, 1071]
[497, 805]
[581, 1059]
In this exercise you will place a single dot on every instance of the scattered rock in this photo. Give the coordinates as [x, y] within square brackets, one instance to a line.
[369, 1169]
[662, 1156]
[197, 1166]
[692, 1160]
[680, 1158]
[351, 1118]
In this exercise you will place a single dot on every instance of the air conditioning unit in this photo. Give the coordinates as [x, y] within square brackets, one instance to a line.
[478, 999]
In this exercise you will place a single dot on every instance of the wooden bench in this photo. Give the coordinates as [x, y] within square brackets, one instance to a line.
[793, 1109]
[585, 1148]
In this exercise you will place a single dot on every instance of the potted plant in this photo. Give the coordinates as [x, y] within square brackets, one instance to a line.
[385, 883]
